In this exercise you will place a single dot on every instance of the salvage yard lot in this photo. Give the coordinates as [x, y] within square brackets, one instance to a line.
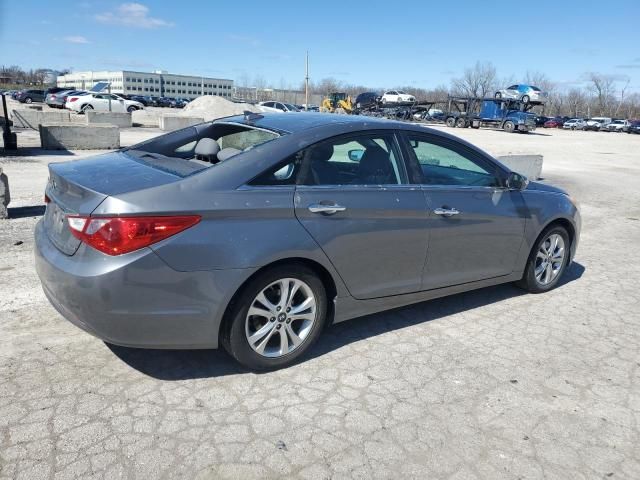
[493, 383]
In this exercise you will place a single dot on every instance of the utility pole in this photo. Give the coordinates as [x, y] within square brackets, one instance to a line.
[306, 83]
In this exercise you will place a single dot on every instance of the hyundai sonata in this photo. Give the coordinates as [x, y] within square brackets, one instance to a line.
[256, 231]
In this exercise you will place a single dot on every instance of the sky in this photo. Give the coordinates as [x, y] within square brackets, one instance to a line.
[374, 43]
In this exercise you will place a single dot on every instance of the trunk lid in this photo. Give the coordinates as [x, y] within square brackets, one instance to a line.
[78, 187]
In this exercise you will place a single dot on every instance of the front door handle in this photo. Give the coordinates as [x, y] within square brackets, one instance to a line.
[327, 209]
[446, 212]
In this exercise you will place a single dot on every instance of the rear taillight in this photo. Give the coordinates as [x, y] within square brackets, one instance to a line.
[118, 235]
[46, 198]
[73, 99]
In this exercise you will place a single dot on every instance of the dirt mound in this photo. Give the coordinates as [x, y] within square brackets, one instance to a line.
[211, 107]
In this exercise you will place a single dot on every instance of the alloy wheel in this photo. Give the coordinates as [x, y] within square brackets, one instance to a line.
[281, 317]
[549, 259]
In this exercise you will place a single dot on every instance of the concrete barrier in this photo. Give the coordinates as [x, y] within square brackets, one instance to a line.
[29, 118]
[5, 197]
[119, 119]
[528, 165]
[72, 136]
[145, 118]
[170, 122]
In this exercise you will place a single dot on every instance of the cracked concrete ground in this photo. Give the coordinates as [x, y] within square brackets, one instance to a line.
[493, 384]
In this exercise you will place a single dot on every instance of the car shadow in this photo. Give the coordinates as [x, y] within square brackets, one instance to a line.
[193, 364]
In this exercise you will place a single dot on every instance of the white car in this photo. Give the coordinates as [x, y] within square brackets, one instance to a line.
[574, 124]
[100, 103]
[617, 126]
[397, 96]
[525, 93]
[277, 107]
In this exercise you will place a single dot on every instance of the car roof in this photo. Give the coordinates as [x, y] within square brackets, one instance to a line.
[298, 121]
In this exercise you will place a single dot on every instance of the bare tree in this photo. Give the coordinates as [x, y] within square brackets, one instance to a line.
[576, 101]
[477, 81]
[602, 88]
[622, 92]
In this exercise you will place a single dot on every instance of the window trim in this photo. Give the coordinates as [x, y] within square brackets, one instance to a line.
[467, 152]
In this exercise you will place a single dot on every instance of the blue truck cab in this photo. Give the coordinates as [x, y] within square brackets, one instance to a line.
[499, 113]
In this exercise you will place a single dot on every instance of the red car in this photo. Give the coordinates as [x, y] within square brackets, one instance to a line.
[554, 123]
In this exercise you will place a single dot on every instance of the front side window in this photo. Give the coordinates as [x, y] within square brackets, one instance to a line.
[442, 165]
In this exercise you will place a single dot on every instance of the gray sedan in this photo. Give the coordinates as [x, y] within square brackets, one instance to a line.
[254, 232]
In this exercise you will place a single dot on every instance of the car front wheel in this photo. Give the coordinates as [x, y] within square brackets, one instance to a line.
[547, 261]
[276, 318]
[28, 100]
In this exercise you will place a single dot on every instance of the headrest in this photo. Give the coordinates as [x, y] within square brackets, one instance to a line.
[207, 147]
[322, 152]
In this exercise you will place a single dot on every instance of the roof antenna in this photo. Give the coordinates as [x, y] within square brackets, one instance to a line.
[251, 116]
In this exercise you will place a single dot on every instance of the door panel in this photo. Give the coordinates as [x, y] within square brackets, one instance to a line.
[378, 243]
[481, 241]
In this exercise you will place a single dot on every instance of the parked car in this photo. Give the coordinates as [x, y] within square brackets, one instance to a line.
[524, 93]
[277, 107]
[100, 102]
[29, 96]
[540, 120]
[574, 124]
[56, 90]
[257, 249]
[397, 97]
[556, 122]
[310, 108]
[139, 98]
[633, 127]
[596, 123]
[367, 100]
[617, 126]
[58, 99]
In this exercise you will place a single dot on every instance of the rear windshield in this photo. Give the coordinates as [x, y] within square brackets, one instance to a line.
[535, 89]
[196, 148]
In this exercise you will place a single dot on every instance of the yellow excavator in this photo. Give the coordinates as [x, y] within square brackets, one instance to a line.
[337, 102]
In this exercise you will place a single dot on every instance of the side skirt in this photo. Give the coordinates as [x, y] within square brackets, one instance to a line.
[347, 308]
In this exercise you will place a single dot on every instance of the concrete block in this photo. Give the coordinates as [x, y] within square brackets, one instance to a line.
[528, 165]
[71, 136]
[5, 197]
[170, 122]
[119, 119]
[28, 118]
[145, 118]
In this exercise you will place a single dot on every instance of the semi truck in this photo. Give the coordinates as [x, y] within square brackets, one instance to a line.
[509, 115]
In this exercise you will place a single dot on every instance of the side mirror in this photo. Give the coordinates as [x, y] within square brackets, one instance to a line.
[356, 155]
[515, 181]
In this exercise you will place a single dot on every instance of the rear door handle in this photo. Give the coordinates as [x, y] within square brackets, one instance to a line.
[327, 209]
[446, 212]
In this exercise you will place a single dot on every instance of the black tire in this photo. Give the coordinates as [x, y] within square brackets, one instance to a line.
[529, 281]
[451, 122]
[234, 337]
[525, 99]
[509, 126]
[461, 123]
[131, 109]
[28, 100]
[86, 107]
[498, 95]
[384, 101]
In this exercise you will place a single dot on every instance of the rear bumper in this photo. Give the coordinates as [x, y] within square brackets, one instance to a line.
[135, 299]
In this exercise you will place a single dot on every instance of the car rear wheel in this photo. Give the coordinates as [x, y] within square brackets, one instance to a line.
[498, 95]
[86, 107]
[276, 318]
[461, 123]
[451, 122]
[547, 261]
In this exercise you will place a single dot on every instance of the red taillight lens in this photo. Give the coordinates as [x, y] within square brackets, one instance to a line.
[118, 235]
[46, 198]
[73, 99]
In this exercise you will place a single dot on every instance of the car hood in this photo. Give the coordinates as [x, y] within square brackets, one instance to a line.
[543, 187]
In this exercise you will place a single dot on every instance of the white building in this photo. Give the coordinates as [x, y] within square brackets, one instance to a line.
[157, 84]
